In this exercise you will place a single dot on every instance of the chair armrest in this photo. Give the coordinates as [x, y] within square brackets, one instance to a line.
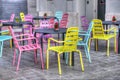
[26, 39]
[113, 28]
[55, 40]
[51, 39]
[22, 35]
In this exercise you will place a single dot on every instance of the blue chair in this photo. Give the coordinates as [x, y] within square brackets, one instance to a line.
[59, 15]
[2, 39]
[85, 42]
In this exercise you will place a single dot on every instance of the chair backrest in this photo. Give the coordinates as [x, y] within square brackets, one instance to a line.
[51, 22]
[87, 36]
[97, 28]
[59, 14]
[71, 38]
[12, 17]
[84, 22]
[28, 17]
[63, 23]
[44, 24]
[65, 16]
[22, 16]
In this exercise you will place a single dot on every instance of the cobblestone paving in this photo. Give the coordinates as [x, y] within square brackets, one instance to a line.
[101, 68]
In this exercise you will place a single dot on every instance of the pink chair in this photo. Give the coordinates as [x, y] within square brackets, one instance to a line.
[65, 16]
[45, 24]
[64, 21]
[31, 43]
[28, 28]
[84, 23]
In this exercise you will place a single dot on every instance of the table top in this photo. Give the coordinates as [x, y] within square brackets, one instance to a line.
[16, 23]
[42, 18]
[111, 23]
[50, 31]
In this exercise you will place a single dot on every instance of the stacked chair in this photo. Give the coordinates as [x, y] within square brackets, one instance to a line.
[98, 33]
[69, 45]
[85, 41]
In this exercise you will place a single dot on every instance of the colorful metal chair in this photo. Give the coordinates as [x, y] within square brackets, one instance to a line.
[59, 15]
[84, 22]
[2, 39]
[70, 45]
[22, 16]
[85, 41]
[98, 33]
[65, 16]
[31, 43]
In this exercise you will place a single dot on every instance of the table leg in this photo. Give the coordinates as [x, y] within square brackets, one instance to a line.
[63, 53]
[118, 41]
[72, 58]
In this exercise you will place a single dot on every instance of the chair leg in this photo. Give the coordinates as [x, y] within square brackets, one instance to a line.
[59, 65]
[70, 61]
[66, 57]
[47, 60]
[19, 58]
[1, 48]
[41, 57]
[14, 57]
[35, 56]
[89, 44]
[81, 61]
[96, 42]
[11, 43]
[108, 44]
[115, 43]
[88, 53]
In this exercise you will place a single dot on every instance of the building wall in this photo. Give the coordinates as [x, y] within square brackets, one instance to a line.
[7, 7]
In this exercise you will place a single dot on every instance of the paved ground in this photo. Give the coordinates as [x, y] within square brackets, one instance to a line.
[101, 68]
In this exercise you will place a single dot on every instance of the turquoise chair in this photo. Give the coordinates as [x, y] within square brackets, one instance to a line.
[85, 42]
[59, 15]
[2, 39]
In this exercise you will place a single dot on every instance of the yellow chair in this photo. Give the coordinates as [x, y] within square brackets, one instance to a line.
[98, 33]
[69, 45]
[22, 16]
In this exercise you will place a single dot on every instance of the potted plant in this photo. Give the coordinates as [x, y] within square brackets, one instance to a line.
[113, 19]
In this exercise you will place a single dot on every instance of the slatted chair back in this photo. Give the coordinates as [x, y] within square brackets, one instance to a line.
[71, 39]
[59, 15]
[84, 22]
[97, 28]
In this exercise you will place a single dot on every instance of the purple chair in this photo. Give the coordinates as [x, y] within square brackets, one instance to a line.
[84, 22]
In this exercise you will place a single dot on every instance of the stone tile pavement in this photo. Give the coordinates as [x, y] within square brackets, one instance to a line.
[101, 68]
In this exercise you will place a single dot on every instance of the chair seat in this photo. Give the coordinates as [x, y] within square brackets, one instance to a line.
[29, 47]
[61, 49]
[105, 37]
[2, 38]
